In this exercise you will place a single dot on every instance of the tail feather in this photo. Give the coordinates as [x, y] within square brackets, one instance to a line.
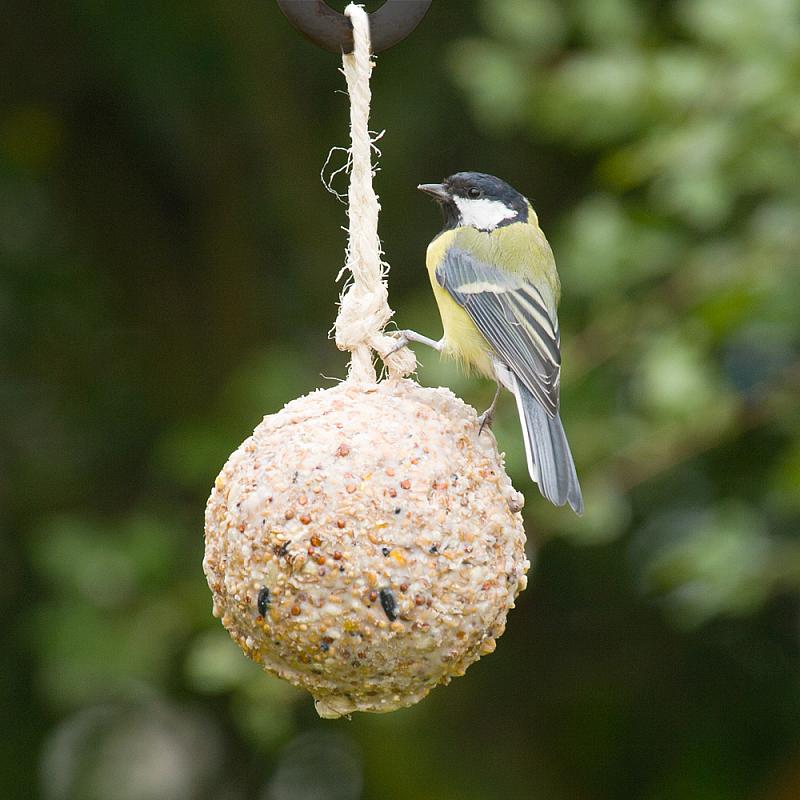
[549, 458]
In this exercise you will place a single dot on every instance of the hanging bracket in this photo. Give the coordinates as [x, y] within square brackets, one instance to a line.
[332, 31]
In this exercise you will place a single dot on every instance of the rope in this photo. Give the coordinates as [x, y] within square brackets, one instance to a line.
[364, 307]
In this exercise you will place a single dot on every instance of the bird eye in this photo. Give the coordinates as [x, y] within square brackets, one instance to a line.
[474, 192]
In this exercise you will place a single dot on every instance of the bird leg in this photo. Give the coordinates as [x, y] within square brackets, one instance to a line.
[487, 417]
[404, 337]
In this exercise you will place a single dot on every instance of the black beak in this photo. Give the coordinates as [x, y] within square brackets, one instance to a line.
[438, 191]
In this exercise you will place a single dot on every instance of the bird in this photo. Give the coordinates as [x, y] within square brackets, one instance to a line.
[495, 283]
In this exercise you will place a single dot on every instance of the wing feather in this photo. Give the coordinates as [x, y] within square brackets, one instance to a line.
[512, 315]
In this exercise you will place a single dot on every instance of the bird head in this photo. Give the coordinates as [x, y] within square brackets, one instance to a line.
[477, 200]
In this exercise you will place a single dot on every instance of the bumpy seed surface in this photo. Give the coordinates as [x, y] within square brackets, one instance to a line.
[366, 544]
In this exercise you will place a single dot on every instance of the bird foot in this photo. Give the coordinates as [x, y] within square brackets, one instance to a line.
[401, 341]
[404, 338]
[485, 420]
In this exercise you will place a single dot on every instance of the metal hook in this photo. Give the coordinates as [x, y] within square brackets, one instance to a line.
[329, 29]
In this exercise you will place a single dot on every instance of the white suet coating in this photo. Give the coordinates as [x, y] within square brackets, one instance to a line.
[366, 544]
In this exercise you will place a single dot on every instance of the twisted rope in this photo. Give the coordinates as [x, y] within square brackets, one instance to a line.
[364, 307]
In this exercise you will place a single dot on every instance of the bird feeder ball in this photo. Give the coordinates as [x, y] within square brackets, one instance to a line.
[366, 544]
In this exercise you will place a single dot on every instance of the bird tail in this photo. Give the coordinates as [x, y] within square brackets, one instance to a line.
[549, 458]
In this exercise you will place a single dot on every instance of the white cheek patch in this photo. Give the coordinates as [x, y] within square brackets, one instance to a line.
[482, 213]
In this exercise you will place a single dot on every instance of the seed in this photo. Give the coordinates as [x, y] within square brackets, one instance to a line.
[434, 549]
[289, 514]
[315, 540]
[340, 523]
[385, 551]
[406, 484]
[373, 596]
[390, 472]
[392, 492]
[350, 488]
[295, 611]
[241, 528]
[398, 510]
[263, 601]
[389, 604]
[302, 500]
[305, 519]
[403, 587]
[337, 556]
[343, 450]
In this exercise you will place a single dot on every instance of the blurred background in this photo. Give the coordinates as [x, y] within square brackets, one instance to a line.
[168, 260]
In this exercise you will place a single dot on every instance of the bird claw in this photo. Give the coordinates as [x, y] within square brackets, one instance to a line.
[401, 342]
[485, 420]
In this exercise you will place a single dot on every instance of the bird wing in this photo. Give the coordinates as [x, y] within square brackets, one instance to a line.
[513, 317]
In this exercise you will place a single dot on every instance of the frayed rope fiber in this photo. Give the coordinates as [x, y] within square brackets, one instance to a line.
[364, 307]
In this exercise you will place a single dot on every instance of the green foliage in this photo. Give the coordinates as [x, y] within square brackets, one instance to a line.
[167, 264]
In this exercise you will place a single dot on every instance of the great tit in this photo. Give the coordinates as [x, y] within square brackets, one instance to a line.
[494, 279]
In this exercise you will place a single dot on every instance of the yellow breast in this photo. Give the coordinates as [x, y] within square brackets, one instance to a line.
[462, 340]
